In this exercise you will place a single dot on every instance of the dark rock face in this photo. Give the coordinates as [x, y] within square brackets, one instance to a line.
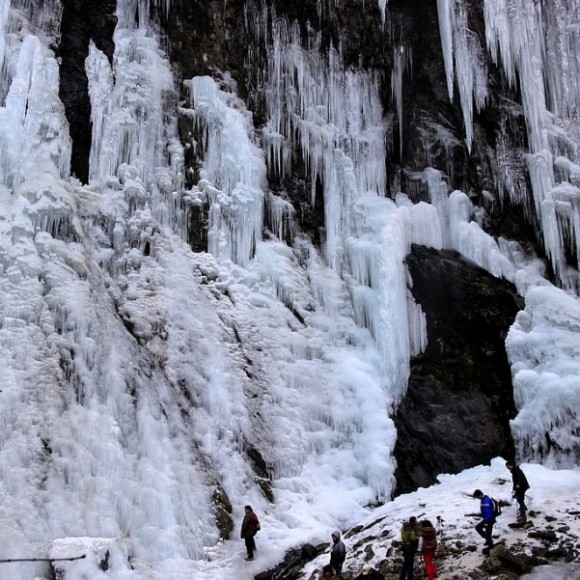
[459, 401]
[82, 21]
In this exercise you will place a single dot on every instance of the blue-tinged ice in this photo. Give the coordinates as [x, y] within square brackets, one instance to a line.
[234, 172]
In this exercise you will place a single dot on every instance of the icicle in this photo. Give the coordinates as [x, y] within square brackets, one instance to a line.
[281, 214]
[402, 60]
[516, 33]
[446, 15]
[464, 61]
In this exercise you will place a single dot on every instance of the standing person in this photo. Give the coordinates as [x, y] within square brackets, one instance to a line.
[250, 527]
[369, 573]
[428, 547]
[520, 486]
[410, 540]
[337, 553]
[487, 518]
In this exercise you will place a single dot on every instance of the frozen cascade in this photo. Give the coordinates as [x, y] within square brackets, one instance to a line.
[129, 126]
[464, 61]
[233, 175]
[336, 117]
[33, 135]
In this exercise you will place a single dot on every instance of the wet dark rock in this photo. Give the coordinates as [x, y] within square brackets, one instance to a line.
[459, 401]
[519, 563]
[546, 535]
[223, 511]
[294, 560]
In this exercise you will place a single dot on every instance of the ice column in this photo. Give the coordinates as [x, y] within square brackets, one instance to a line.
[402, 59]
[234, 172]
[33, 128]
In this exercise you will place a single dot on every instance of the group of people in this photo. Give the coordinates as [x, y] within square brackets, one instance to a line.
[416, 537]
[422, 538]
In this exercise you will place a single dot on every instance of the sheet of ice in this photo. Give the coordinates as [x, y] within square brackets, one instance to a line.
[233, 176]
[544, 348]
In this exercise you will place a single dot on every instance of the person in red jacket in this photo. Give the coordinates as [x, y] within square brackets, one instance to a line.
[250, 527]
[428, 547]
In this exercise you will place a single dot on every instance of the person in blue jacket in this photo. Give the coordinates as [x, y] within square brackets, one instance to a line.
[485, 527]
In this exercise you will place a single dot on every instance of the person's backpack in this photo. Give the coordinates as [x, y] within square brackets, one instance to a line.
[496, 508]
[258, 526]
[408, 534]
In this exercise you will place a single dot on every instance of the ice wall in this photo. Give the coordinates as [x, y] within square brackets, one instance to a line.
[538, 53]
[334, 116]
[544, 349]
[537, 47]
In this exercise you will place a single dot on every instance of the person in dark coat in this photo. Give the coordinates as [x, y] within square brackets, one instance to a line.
[410, 542]
[428, 547]
[369, 573]
[485, 527]
[250, 527]
[337, 553]
[520, 486]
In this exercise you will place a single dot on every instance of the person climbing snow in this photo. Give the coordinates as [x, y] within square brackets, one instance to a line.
[485, 527]
[520, 486]
[409, 542]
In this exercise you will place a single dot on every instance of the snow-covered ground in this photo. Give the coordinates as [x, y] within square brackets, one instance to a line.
[553, 501]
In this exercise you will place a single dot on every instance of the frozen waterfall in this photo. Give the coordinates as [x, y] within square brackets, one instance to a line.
[138, 377]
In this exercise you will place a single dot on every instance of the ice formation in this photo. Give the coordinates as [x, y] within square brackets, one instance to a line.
[137, 376]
